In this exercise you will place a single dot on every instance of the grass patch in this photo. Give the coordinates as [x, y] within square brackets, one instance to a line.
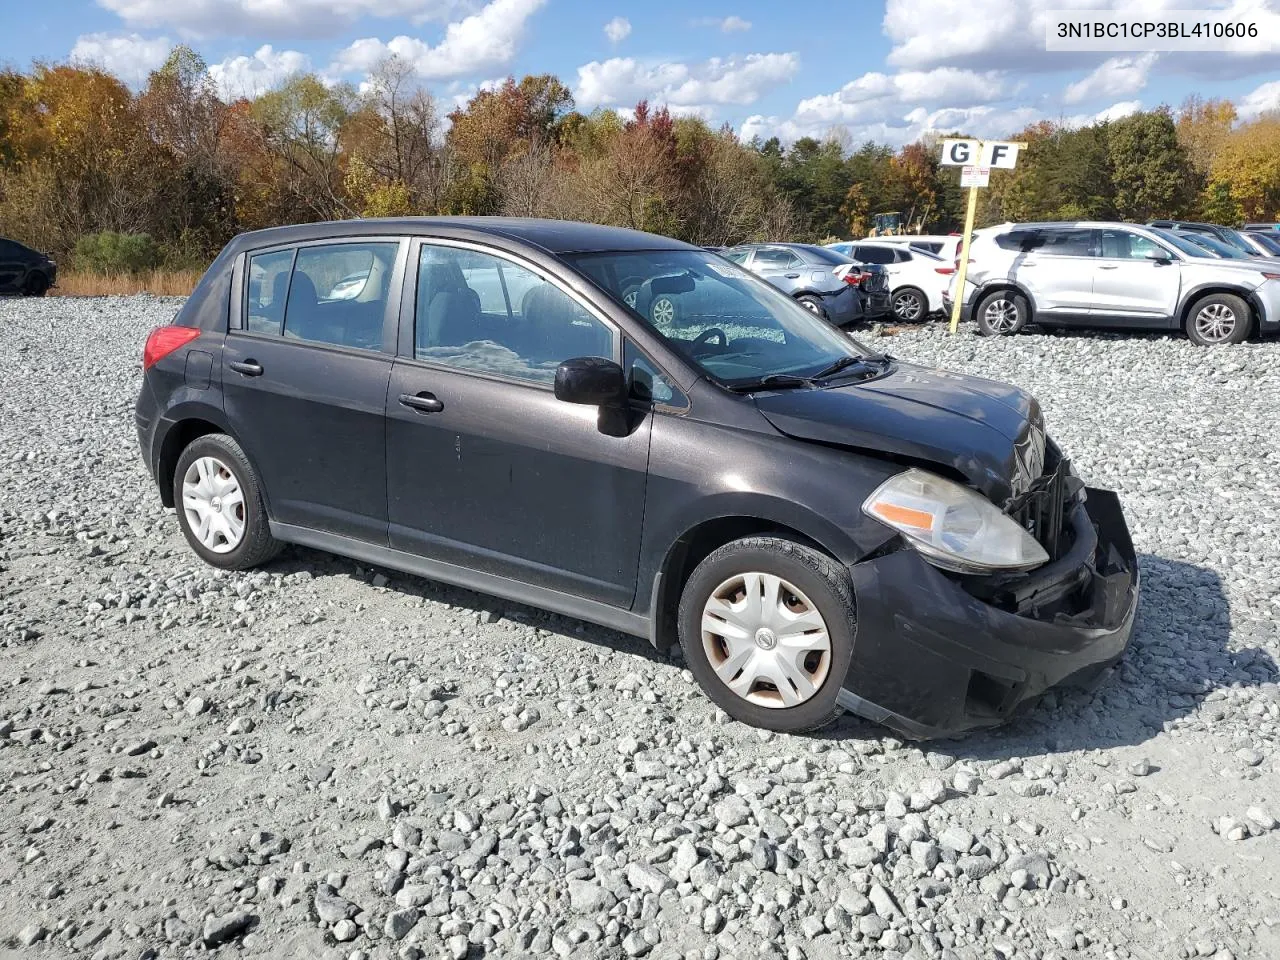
[159, 282]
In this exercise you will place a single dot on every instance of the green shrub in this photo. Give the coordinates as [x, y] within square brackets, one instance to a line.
[109, 252]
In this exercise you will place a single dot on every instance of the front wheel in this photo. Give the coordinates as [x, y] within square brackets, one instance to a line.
[1002, 314]
[664, 311]
[37, 285]
[1218, 319]
[220, 505]
[766, 626]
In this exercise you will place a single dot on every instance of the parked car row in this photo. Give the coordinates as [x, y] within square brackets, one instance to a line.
[1128, 275]
[503, 404]
[25, 271]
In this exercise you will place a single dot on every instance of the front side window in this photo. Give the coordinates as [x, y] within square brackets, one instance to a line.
[338, 294]
[1123, 245]
[481, 312]
[735, 327]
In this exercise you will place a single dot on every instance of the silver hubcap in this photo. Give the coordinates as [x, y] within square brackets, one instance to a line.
[766, 640]
[809, 305]
[214, 504]
[1215, 322]
[1001, 315]
[630, 299]
[664, 311]
[907, 306]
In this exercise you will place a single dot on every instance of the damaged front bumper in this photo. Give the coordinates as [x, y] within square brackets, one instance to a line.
[936, 654]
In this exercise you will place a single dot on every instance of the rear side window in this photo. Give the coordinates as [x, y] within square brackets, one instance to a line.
[775, 258]
[903, 255]
[872, 254]
[268, 288]
[338, 294]
[1066, 242]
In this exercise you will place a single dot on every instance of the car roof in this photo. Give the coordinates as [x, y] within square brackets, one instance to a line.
[554, 236]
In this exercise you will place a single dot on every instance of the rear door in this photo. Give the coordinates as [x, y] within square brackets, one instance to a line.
[779, 266]
[305, 372]
[1129, 287]
[1056, 266]
[485, 467]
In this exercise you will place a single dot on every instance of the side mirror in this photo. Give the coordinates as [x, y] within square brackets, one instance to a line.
[594, 381]
[1159, 256]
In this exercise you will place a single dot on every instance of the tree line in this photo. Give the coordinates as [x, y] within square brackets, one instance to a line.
[164, 176]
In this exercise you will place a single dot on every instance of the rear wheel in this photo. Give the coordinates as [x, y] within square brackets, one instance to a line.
[664, 311]
[766, 626]
[910, 305]
[1002, 314]
[812, 304]
[220, 506]
[37, 285]
[1217, 319]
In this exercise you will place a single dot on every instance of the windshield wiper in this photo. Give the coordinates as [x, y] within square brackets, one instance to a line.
[774, 381]
[844, 363]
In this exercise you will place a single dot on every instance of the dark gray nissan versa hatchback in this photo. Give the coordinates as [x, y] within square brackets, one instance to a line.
[821, 527]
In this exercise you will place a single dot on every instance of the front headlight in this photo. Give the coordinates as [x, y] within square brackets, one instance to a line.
[953, 526]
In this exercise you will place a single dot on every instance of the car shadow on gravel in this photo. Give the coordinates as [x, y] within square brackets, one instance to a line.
[1179, 658]
[296, 559]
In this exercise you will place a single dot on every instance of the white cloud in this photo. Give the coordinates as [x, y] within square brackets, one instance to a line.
[249, 77]
[730, 24]
[1260, 100]
[129, 56]
[623, 81]
[1116, 77]
[617, 29]
[255, 17]
[482, 41]
[981, 121]
[1118, 111]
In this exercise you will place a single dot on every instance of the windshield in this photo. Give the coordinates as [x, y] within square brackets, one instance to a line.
[735, 327]
[1181, 242]
[826, 255]
[1270, 244]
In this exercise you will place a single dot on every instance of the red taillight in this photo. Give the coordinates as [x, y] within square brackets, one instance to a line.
[163, 341]
[944, 270]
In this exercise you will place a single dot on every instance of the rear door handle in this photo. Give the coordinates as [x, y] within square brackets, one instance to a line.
[1108, 266]
[250, 368]
[793, 276]
[422, 402]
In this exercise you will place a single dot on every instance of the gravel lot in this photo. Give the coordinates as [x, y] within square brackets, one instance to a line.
[325, 760]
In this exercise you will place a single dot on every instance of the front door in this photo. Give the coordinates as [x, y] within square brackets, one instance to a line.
[305, 381]
[485, 467]
[1131, 288]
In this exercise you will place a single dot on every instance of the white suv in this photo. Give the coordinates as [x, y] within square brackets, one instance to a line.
[1114, 275]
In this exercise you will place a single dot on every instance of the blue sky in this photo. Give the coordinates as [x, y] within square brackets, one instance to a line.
[889, 70]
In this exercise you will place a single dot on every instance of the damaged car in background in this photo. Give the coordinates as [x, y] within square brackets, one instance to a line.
[821, 527]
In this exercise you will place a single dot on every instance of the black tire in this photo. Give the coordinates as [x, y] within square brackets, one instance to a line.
[37, 285]
[827, 588]
[1218, 319]
[914, 300]
[1002, 313]
[812, 304]
[256, 545]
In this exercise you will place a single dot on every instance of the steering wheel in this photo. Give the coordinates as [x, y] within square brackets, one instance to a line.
[705, 337]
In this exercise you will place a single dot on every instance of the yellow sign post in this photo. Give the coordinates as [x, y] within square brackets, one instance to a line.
[977, 157]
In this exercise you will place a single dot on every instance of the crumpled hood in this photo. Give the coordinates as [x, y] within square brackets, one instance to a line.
[967, 423]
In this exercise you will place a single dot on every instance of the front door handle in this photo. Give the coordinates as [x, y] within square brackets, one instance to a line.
[250, 368]
[793, 276]
[422, 402]
[1108, 266]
